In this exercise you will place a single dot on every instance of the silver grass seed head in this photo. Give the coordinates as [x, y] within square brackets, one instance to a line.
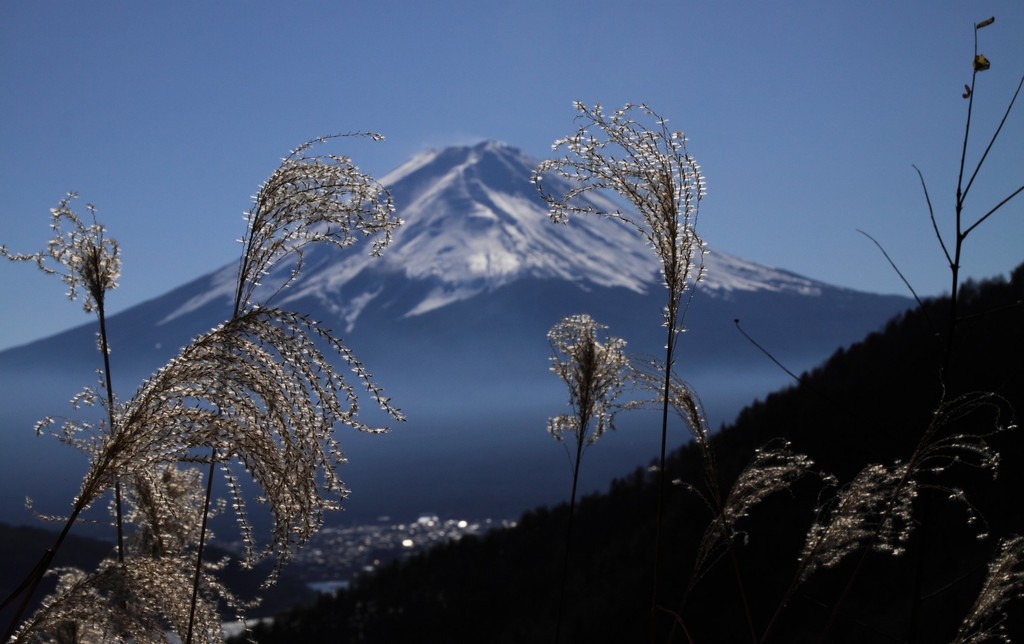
[594, 367]
[308, 199]
[874, 510]
[80, 253]
[646, 164]
[1003, 585]
[774, 468]
[139, 602]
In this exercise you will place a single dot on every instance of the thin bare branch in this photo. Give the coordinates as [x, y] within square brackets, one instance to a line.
[993, 210]
[992, 141]
[894, 267]
[931, 215]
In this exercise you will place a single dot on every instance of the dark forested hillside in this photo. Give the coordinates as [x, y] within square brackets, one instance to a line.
[869, 404]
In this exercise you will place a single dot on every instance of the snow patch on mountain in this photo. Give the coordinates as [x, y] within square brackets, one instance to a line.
[728, 273]
[221, 287]
[349, 311]
[442, 296]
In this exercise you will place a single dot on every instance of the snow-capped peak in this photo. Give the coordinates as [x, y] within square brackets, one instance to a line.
[473, 222]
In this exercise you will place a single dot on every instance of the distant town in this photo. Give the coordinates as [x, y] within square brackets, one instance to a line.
[337, 554]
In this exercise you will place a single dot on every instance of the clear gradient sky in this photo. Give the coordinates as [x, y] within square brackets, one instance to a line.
[806, 117]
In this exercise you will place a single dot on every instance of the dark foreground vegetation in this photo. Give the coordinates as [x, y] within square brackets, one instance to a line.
[21, 549]
[868, 404]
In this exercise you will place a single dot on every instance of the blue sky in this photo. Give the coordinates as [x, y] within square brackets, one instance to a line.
[806, 117]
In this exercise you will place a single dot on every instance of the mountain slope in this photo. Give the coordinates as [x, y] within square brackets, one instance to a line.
[452, 320]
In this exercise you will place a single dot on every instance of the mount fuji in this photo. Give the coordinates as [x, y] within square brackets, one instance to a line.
[452, 321]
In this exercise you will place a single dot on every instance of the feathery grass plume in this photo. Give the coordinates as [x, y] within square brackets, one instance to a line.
[594, 367]
[164, 504]
[649, 166]
[141, 600]
[773, 469]
[258, 390]
[684, 401]
[89, 263]
[86, 260]
[941, 447]
[81, 255]
[985, 622]
[875, 510]
[88, 608]
[311, 198]
[633, 153]
[149, 595]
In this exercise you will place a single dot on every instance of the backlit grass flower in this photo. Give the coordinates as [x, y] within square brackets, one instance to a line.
[311, 198]
[632, 152]
[986, 621]
[593, 368]
[80, 253]
[258, 390]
